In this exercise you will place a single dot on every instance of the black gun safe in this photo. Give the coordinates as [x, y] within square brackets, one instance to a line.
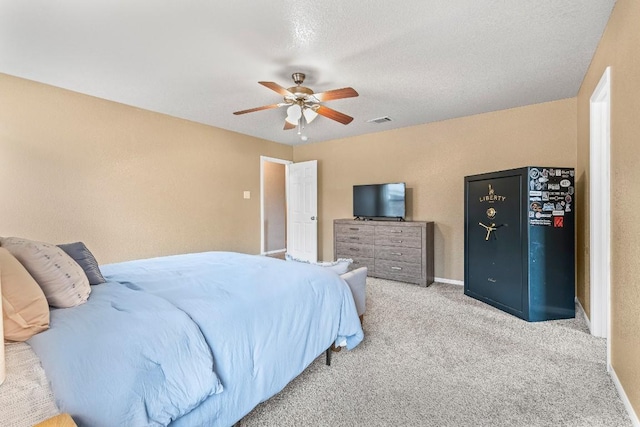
[519, 241]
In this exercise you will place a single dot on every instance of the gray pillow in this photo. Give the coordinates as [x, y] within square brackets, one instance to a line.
[80, 254]
[62, 280]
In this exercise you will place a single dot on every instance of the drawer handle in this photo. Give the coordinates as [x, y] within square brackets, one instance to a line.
[396, 268]
[354, 249]
[396, 231]
[354, 228]
[356, 262]
[354, 238]
[397, 241]
[396, 253]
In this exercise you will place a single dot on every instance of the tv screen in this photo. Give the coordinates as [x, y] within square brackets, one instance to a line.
[379, 200]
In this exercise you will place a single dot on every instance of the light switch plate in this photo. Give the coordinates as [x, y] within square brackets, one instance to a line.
[247, 194]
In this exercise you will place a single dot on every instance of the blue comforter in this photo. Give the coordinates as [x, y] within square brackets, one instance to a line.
[192, 340]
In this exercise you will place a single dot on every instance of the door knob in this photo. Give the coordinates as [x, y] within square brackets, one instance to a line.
[313, 218]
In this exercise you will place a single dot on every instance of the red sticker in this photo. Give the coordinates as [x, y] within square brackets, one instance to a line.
[558, 221]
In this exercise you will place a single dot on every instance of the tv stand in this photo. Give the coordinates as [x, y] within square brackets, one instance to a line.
[396, 250]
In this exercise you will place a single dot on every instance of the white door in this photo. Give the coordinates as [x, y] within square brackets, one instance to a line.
[302, 218]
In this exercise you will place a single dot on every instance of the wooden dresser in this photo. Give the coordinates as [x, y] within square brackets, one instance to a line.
[396, 250]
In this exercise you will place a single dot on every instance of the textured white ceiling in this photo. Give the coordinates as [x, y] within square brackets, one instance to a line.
[416, 61]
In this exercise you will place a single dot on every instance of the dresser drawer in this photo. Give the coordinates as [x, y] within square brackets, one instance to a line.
[355, 237]
[361, 230]
[353, 250]
[361, 262]
[398, 240]
[397, 231]
[393, 269]
[410, 255]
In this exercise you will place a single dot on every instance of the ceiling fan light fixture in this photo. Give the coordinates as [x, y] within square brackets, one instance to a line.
[309, 114]
[293, 114]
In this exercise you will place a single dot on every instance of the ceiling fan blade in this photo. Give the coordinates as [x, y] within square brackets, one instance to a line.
[277, 88]
[330, 95]
[265, 107]
[333, 115]
[288, 125]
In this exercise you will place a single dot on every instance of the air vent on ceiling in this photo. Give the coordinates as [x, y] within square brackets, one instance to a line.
[380, 120]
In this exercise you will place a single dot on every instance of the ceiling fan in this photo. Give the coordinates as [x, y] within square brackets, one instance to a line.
[303, 104]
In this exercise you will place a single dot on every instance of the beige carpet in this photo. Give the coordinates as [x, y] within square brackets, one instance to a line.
[434, 357]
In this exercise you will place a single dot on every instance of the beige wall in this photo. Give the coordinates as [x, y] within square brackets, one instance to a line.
[620, 49]
[128, 182]
[433, 160]
[275, 206]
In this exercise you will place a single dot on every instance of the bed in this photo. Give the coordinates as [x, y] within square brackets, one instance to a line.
[192, 340]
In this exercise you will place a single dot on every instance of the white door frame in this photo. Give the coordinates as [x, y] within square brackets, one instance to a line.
[264, 159]
[600, 210]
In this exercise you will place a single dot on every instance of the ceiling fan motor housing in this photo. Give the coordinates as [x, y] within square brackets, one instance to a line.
[298, 78]
[300, 91]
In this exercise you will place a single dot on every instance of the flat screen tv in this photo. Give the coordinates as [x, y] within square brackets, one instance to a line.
[379, 201]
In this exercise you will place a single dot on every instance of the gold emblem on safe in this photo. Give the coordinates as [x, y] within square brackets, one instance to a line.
[491, 213]
[492, 197]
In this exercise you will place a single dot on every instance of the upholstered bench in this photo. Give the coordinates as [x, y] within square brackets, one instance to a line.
[357, 281]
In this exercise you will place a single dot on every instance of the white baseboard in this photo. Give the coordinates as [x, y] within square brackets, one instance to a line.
[583, 313]
[623, 396]
[449, 281]
[277, 251]
[614, 377]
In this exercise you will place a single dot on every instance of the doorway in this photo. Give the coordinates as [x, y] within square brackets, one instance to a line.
[273, 206]
[600, 209]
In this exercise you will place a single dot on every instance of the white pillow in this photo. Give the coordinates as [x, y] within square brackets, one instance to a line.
[340, 266]
[62, 280]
